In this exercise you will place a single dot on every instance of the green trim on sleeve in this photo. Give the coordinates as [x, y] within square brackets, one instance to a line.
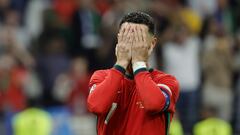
[150, 69]
[120, 68]
[139, 70]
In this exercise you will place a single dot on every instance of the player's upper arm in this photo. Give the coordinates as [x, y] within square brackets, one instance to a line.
[169, 87]
[93, 98]
[97, 78]
[103, 86]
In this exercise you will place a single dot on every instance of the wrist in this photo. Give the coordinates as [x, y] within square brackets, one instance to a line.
[120, 69]
[139, 65]
[123, 64]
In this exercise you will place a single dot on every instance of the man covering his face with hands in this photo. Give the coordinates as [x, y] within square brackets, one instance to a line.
[131, 98]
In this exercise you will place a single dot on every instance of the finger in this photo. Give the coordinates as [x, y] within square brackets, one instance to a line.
[136, 33]
[132, 34]
[140, 38]
[125, 33]
[118, 46]
[129, 34]
[119, 37]
[121, 31]
[144, 34]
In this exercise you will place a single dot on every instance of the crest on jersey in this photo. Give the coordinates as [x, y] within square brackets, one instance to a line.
[139, 104]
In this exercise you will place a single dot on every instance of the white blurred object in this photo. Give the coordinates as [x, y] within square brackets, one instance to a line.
[34, 16]
[84, 125]
[7, 62]
[62, 87]
[209, 43]
[182, 61]
[32, 86]
[90, 41]
[204, 7]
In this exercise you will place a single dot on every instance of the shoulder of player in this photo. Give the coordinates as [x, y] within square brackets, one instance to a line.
[102, 72]
[170, 81]
[98, 76]
[164, 78]
[157, 74]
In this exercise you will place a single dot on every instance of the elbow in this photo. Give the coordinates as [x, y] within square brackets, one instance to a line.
[154, 105]
[95, 107]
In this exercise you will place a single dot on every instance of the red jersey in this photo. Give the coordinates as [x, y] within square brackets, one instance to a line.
[141, 106]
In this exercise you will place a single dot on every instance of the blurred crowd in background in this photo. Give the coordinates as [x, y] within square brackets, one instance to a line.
[50, 48]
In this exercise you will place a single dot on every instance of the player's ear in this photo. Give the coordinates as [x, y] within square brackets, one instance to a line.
[153, 44]
[154, 41]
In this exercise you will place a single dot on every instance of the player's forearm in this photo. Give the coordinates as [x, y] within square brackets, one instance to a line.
[102, 97]
[152, 97]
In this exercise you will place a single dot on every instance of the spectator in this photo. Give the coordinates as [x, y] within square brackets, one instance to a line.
[20, 7]
[224, 15]
[65, 9]
[237, 86]
[218, 70]
[85, 26]
[181, 58]
[13, 33]
[34, 17]
[208, 33]
[72, 87]
[4, 5]
[105, 53]
[204, 7]
[51, 63]
[32, 121]
[52, 27]
[12, 97]
[211, 124]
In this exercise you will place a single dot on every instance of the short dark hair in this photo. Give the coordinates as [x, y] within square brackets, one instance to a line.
[139, 18]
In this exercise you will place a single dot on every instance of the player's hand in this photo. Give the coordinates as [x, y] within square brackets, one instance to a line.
[123, 48]
[140, 48]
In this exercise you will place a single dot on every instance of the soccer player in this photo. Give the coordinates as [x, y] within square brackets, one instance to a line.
[131, 98]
